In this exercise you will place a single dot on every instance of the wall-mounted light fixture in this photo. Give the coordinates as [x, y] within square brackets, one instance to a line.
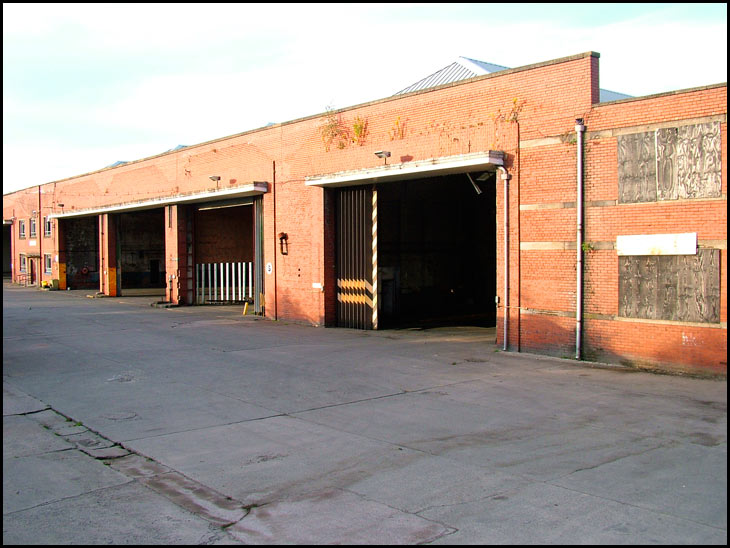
[284, 243]
[215, 178]
[385, 154]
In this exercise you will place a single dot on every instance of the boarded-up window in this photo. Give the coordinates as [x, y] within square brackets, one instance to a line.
[670, 163]
[671, 287]
[637, 168]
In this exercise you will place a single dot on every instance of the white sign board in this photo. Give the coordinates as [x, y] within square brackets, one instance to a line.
[657, 244]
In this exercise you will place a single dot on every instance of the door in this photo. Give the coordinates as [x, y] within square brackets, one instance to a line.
[356, 292]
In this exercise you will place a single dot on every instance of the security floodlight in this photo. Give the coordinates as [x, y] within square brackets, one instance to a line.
[384, 154]
[215, 177]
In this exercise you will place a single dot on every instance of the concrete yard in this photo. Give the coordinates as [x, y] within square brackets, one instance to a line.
[129, 424]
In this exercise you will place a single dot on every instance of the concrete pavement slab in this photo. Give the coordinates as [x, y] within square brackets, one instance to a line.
[52, 477]
[547, 514]
[127, 403]
[260, 461]
[425, 481]
[197, 498]
[334, 517]
[672, 480]
[55, 494]
[128, 514]
[326, 435]
[16, 402]
[23, 437]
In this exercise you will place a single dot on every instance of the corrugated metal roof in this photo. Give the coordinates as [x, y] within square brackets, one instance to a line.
[461, 69]
[488, 68]
[607, 95]
[453, 73]
[464, 68]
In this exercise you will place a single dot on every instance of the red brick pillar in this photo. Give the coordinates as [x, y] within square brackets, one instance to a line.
[61, 249]
[108, 279]
[178, 255]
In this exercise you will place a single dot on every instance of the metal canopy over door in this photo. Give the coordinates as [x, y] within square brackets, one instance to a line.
[356, 294]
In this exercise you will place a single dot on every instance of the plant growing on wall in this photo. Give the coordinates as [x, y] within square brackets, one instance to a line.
[398, 130]
[360, 130]
[333, 130]
[514, 113]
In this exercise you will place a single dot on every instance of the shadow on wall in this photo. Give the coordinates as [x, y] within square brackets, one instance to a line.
[681, 353]
[670, 348]
[665, 348]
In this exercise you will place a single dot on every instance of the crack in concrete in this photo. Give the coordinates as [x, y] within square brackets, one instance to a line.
[217, 509]
[670, 443]
[448, 529]
[644, 508]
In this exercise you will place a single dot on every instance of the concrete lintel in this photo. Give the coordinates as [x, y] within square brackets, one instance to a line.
[411, 170]
[255, 188]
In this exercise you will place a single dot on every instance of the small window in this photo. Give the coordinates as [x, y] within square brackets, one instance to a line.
[47, 227]
[21, 229]
[48, 265]
[23, 263]
[32, 228]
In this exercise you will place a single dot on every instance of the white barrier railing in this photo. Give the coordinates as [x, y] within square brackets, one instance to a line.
[224, 282]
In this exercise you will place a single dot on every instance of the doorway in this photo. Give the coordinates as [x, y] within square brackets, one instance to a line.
[435, 258]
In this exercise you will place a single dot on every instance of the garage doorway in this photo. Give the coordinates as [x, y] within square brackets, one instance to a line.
[434, 261]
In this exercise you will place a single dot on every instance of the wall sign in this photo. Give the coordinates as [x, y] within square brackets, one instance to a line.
[657, 244]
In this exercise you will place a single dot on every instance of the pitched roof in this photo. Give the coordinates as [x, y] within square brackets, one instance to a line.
[464, 68]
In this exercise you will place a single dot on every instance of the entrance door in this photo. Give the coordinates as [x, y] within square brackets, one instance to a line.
[356, 296]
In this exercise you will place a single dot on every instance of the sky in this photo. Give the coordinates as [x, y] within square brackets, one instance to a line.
[87, 85]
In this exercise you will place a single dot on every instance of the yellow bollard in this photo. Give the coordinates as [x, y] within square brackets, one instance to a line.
[245, 308]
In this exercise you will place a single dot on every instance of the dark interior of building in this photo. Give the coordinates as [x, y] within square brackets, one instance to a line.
[437, 251]
[81, 247]
[7, 261]
[141, 254]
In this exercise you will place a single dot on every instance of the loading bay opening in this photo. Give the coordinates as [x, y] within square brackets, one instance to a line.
[417, 253]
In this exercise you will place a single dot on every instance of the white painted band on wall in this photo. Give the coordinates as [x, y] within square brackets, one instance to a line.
[657, 244]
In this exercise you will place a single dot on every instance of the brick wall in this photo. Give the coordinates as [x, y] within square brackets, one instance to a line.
[548, 238]
[529, 113]
[683, 346]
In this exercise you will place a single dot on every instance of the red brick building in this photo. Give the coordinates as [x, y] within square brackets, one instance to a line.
[515, 199]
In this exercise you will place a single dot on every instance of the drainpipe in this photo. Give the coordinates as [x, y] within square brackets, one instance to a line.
[40, 230]
[505, 177]
[579, 129]
[276, 272]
